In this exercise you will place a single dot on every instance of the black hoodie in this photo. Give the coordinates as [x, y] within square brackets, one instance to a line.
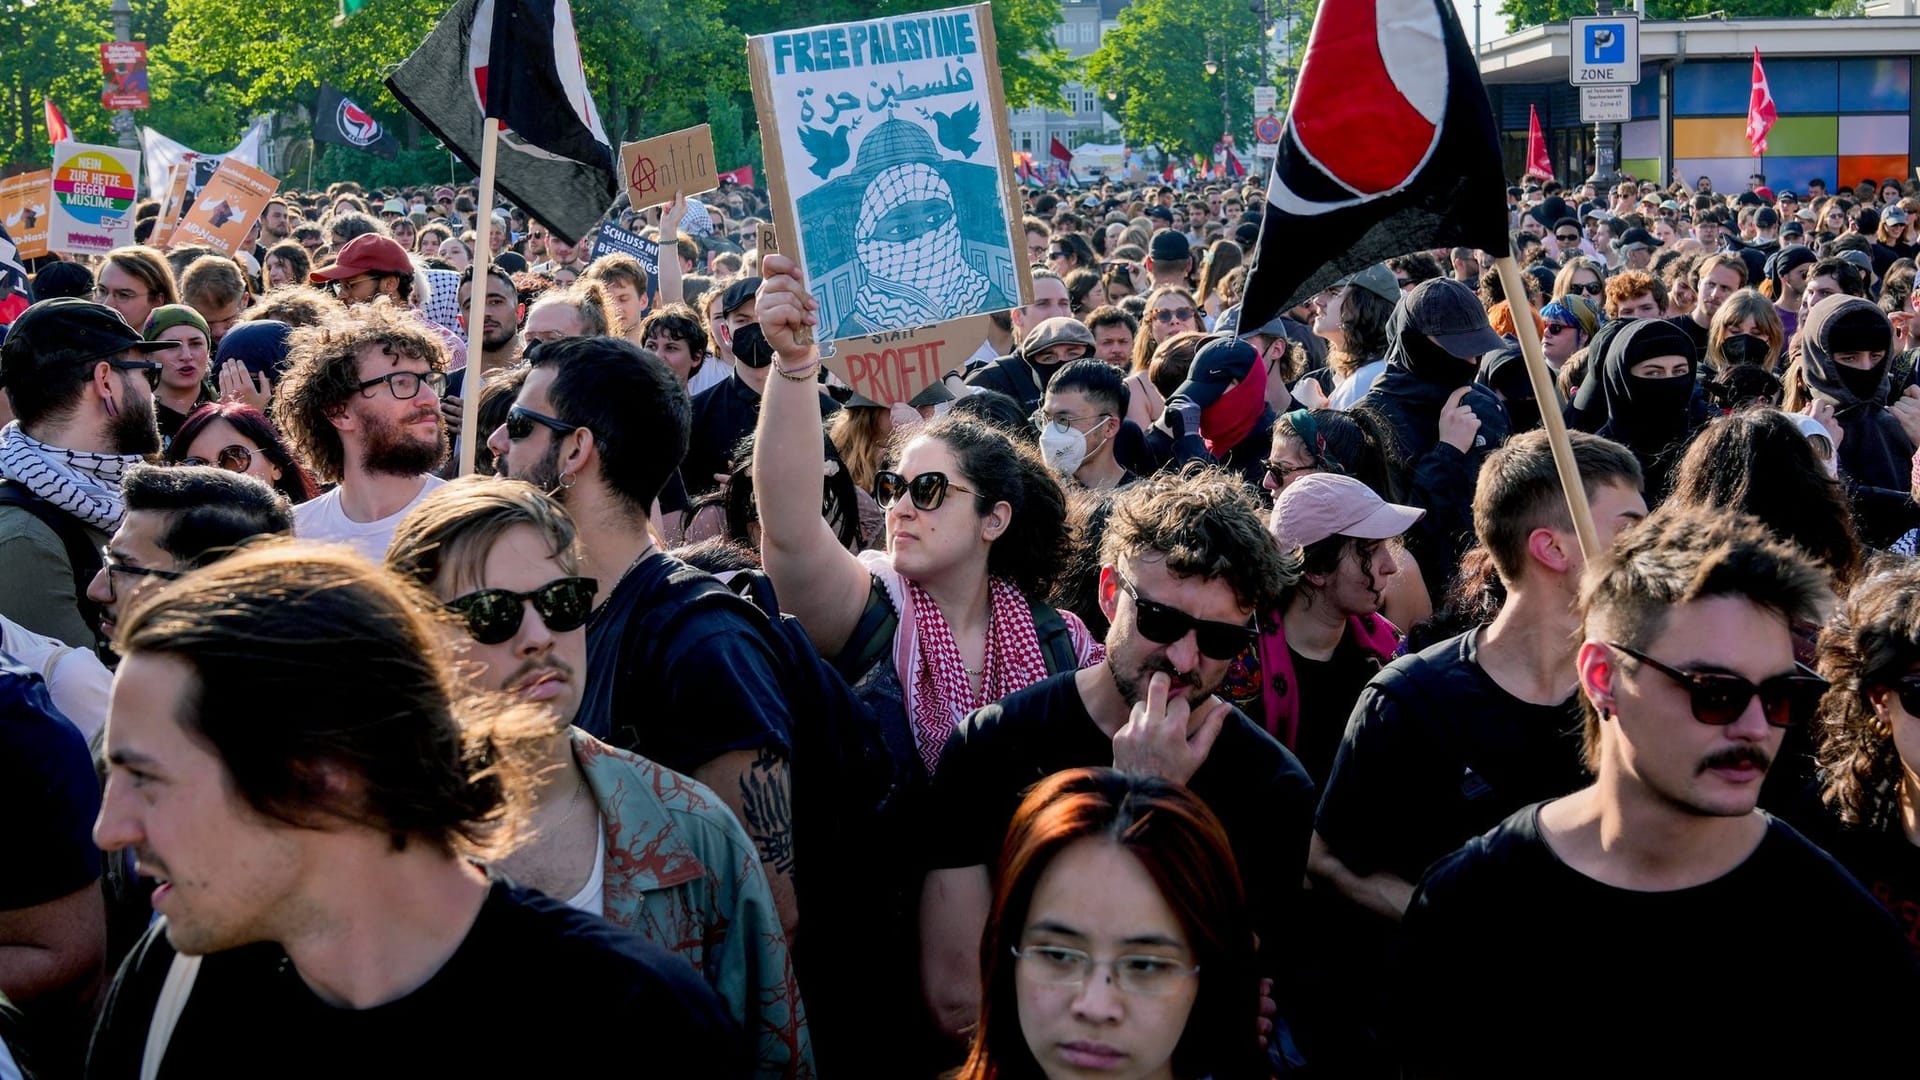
[1876, 457]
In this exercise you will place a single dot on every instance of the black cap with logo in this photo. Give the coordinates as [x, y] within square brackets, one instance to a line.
[68, 330]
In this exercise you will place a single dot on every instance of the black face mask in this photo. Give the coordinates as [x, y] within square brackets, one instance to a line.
[1435, 364]
[1863, 383]
[1745, 349]
[750, 347]
[1524, 413]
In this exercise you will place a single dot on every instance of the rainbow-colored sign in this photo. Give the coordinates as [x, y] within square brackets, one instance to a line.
[93, 196]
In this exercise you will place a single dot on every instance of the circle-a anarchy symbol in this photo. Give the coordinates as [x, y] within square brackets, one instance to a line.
[643, 175]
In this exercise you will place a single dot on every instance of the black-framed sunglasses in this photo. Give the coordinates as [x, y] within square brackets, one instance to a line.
[1567, 237]
[150, 368]
[1167, 315]
[405, 385]
[1558, 328]
[1166, 625]
[1059, 253]
[495, 615]
[1588, 288]
[1908, 691]
[520, 422]
[1719, 699]
[235, 458]
[1280, 470]
[928, 490]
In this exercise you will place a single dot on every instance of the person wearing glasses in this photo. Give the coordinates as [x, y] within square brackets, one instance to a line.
[179, 518]
[1580, 275]
[1185, 564]
[1121, 942]
[1078, 421]
[1170, 310]
[615, 834]
[1686, 667]
[80, 382]
[360, 402]
[135, 280]
[239, 438]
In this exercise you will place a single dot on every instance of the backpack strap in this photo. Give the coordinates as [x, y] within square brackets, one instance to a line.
[872, 637]
[1056, 638]
[82, 557]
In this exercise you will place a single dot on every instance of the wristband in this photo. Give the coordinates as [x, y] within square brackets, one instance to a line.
[803, 373]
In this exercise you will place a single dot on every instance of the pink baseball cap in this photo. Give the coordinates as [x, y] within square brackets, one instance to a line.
[1320, 505]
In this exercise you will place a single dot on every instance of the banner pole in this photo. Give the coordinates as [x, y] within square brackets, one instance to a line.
[313, 150]
[1550, 405]
[475, 378]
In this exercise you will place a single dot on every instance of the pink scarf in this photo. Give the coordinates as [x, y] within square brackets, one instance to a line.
[940, 691]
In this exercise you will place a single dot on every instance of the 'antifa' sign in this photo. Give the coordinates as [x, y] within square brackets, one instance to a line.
[890, 174]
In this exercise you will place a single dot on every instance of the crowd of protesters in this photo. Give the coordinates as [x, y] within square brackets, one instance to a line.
[1155, 695]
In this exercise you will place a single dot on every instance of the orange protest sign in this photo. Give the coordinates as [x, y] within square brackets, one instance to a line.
[679, 161]
[227, 207]
[893, 367]
[23, 210]
[174, 204]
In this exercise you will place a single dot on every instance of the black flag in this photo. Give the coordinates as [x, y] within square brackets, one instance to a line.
[1390, 147]
[518, 60]
[338, 119]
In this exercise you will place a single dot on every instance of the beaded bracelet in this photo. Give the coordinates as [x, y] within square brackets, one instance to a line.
[802, 374]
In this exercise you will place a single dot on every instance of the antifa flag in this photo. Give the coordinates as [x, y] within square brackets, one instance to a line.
[1389, 147]
[519, 61]
[13, 280]
[338, 119]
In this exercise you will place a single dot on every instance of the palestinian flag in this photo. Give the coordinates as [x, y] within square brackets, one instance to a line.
[1389, 147]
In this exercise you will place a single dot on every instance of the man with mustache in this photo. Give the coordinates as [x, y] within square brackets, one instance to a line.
[1629, 896]
[616, 835]
[1186, 563]
[361, 404]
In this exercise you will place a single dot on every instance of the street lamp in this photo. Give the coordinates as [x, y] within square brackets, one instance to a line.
[1112, 94]
[1213, 66]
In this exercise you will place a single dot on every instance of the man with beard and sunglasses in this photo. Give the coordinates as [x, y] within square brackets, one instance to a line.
[1186, 564]
[80, 381]
[1627, 893]
[360, 403]
[616, 835]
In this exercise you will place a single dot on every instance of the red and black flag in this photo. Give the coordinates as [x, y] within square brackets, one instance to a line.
[519, 61]
[1389, 147]
[340, 120]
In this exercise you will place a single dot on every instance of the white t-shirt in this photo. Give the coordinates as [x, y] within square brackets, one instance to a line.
[1348, 392]
[76, 679]
[322, 519]
[592, 897]
[713, 371]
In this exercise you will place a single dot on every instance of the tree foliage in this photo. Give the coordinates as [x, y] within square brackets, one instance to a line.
[1156, 61]
[1522, 13]
[653, 67]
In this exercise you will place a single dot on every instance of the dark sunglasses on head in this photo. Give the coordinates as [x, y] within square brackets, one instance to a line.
[1591, 288]
[235, 458]
[928, 490]
[1719, 699]
[1179, 314]
[494, 615]
[1166, 625]
[520, 422]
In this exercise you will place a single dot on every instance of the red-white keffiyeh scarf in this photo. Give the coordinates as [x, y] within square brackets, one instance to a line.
[942, 695]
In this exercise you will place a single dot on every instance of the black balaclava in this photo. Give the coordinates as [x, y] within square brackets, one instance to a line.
[1648, 415]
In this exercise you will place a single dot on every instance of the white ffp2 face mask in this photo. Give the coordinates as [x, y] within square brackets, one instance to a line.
[1065, 451]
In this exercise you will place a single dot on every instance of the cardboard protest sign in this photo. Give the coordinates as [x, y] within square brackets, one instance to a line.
[893, 367]
[889, 169]
[766, 240]
[23, 210]
[124, 65]
[173, 203]
[91, 209]
[227, 207]
[679, 161]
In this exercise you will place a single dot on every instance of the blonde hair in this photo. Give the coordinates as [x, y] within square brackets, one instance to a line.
[1741, 306]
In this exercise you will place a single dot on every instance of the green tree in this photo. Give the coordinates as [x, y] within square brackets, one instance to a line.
[1156, 60]
[1522, 13]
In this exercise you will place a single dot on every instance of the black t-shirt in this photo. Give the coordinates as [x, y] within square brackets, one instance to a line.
[723, 414]
[251, 1014]
[1694, 331]
[1327, 690]
[1436, 753]
[1252, 783]
[709, 687]
[48, 791]
[1888, 865]
[1513, 963]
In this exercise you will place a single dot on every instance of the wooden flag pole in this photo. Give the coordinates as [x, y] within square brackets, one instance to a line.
[476, 376]
[1549, 397]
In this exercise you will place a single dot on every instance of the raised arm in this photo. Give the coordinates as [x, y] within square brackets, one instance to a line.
[819, 582]
[668, 255]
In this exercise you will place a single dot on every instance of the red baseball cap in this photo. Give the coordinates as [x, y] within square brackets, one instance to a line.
[368, 253]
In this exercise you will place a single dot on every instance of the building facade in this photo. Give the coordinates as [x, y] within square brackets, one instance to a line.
[1082, 24]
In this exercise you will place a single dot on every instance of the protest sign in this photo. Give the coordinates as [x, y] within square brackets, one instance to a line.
[894, 366]
[23, 210]
[614, 240]
[891, 176]
[681, 161]
[227, 207]
[124, 63]
[173, 203]
[765, 239]
[91, 209]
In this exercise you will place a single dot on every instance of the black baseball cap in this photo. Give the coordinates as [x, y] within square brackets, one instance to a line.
[738, 293]
[67, 329]
[1450, 313]
[1160, 212]
[1169, 246]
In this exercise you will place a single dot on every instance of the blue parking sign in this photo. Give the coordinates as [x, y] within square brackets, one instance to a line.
[1605, 44]
[1604, 50]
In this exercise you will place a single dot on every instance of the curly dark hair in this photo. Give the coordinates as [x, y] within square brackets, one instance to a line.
[1033, 550]
[1207, 523]
[1870, 643]
[323, 373]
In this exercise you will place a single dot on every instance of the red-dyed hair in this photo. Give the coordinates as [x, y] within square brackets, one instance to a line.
[294, 482]
[1184, 849]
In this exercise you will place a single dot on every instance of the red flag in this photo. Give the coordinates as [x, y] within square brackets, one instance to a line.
[1760, 111]
[1059, 150]
[1234, 167]
[1538, 163]
[57, 129]
[1167, 176]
